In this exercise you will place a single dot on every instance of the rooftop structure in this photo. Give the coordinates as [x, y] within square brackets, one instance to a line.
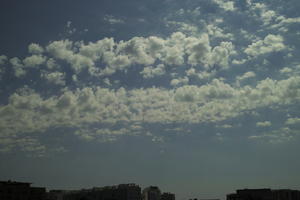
[12, 190]
[264, 194]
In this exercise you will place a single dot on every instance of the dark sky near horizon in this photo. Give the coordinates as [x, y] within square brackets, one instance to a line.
[198, 97]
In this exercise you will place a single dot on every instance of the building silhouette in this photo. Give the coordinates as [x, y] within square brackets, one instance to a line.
[167, 196]
[286, 194]
[151, 193]
[11, 190]
[119, 192]
[264, 194]
[56, 194]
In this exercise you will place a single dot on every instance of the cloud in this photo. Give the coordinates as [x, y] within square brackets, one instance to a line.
[98, 110]
[283, 23]
[263, 124]
[265, 15]
[225, 126]
[202, 75]
[183, 27]
[3, 59]
[106, 57]
[30, 145]
[65, 50]
[268, 16]
[18, 67]
[221, 54]
[35, 48]
[31, 61]
[57, 78]
[292, 121]
[279, 136]
[179, 81]
[226, 5]
[34, 60]
[286, 70]
[100, 135]
[217, 32]
[245, 76]
[271, 43]
[113, 20]
[150, 72]
[176, 50]
[195, 82]
[199, 51]
[51, 64]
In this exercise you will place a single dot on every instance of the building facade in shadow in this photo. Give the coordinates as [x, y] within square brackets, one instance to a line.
[119, 192]
[264, 194]
[11, 190]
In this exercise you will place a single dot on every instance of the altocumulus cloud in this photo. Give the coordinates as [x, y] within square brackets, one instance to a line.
[87, 107]
[201, 73]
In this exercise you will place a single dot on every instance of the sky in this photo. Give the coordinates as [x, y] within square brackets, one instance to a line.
[198, 97]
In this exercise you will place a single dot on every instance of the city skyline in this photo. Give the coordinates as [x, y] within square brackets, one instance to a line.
[199, 97]
[11, 190]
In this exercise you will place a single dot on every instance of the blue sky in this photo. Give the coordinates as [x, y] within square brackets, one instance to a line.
[197, 97]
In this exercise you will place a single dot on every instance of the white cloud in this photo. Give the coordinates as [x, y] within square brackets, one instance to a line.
[150, 72]
[292, 121]
[100, 135]
[18, 67]
[136, 50]
[279, 136]
[263, 124]
[265, 15]
[283, 23]
[226, 5]
[199, 50]
[34, 60]
[271, 19]
[221, 54]
[200, 54]
[286, 70]
[176, 50]
[217, 32]
[35, 48]
[179, 81]
[3, 59]
[57, 78]
[89, 108]
[245, 76]
[186, 28]
[27, 144]
[202, 75]
[268, 16]
[225, 126]
[239, 62]
[96, 50]
[271, 43]
[113, 20]
[51, 64]
[65, 50]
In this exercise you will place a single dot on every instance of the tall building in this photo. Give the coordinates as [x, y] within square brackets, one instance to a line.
[11, 190]
[151, 193]
[167, 196]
